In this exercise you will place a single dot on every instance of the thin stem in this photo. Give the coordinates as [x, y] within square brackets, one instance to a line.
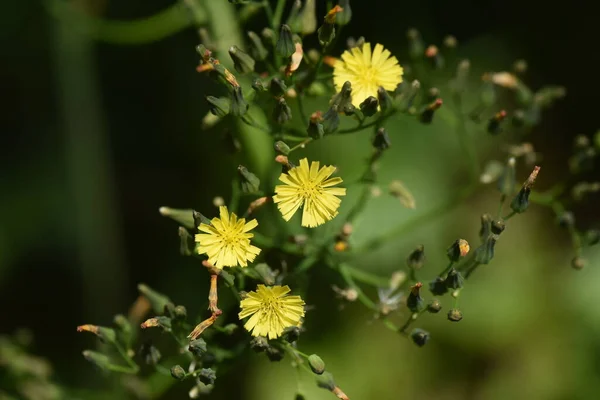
[301, 145]
[472, 269]
[408, 322]
[362, 297]
[501, 205]
[301, 109]
[235, 195]
[467, 144]
[278, 14]
[509, 216]
[446, 270]
[366, 277]
[268, 10]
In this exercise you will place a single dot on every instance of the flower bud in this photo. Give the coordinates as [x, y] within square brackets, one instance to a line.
[578, 263]
[98, 359]
[344, 97]
[419, 337]
[401, 192]
[414, 301]
[326, 32]
[180, 312]
[416, 259]
[450, 42]
[507, 181]
[486, 226]
[257, 49]
[455, 315]
[106, 335]
[150, 354]
[124, 327]
[282, 147]
[434, 306]
[285, 46]
[315, 127]
[219, 106]
[459, 83]
[566, 220]
[177, 372]
[385, 101]
[239, 106]
[198, 219]
[316, 364]
[197, 347]
[428, 111]
[265, 273]
[157, 300]
[242, 62]
[331, 119]
[299, 396]
[291, 334]
[454, 280]
[498, 227]
[432, 53]
[186, 242]
[277, 87]
[437, 287]
[416, 47]
[161, 322]
[408, 95]
[259, 344]
[274, 354]
[282, 112]
[458, 249]
[207, 376]
[325, 381]
[521, 201]
[381, 141]
[344, 16]
[308, 18]
[494, 125]
[485, 253]
[369, 106]
[250, 183]
[591, 237]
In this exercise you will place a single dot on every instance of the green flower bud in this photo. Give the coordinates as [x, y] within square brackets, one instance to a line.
[428, 111]
[591, 237]
[269, 35]
[291, 334]
[259, 86]
[566, 220]
[239, 106]
[454, 280]
[150, 354]
[326, 34]
[438, 286]
[331, 119]
[197, 347]
[186, 242]
[434, 306]
[381, 141]
[242, 62]
[317, 365]
[521, 201]
[265, 273]
[259, 344]
[98, 359]
[407, 96]
[180, 312]
[344, 97]
[416, 259]
[282, 112]
[325, 381]
[494, 125]
[458, 249]
[177, 372]
[507, 181]
[419, 337]
[282, 148]
[435, 58]
[157, 300]
[485, 253]
[416, 47]
[414, 301]
[308, 17]
[250, 183]
[219, 106]
[125, 329]
[385, 101]
[369, 106]
[578, 263]
[207, 376]
[486, 227]
[274, 354]
[285, 46]
[498, 227]
[344, 16]
[455, 315]
[277, 87]
[257, 49]
[199, 219]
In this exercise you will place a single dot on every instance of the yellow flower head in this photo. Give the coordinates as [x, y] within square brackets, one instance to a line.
[227, 241]
[271, 310]
[367, 71]
[311, 187]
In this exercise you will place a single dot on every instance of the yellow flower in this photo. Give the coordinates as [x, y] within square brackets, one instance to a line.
[227, 241]
[367, 71]
[271, 310]
[311, 187]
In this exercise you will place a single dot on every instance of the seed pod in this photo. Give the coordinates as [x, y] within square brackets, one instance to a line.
[419, 337]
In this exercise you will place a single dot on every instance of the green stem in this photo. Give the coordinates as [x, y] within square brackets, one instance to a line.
[446, 270]
[509, 216]
[472, 269]
[278, 14]
[362, 297]
[466, 142]
[366, 277]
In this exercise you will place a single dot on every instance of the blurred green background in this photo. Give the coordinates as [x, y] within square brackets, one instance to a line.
[96, 137]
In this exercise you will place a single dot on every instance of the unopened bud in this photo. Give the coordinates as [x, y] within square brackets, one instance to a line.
[507, 181]
[277, 87]
[434, 306]
[416, 259]
[177, 372]
[385, 101]
[207, 376]
[326, 32]
[455, 315]
[414, 301]
[450, 42]
[438, 287]
[150, 354]
[197, 347]
[219, 106]
[495, 123]
[454, 280]
[98, 359]
[198, 219]
[566, 220]
[124, 327]
[432, 53]
[107, 335]
[307, 17]
[419, 337]
[249, 182]
[458, 249]
[369, 106]
[274, 354]
[316, 364]
[183, 217]
[408, 95]
[459, 83]
[325, 381]
[331, 119]
[340, 246]
[428, 111]
[381, 141]
[521, 201]
[259, 344]
[344, 16]
[239, 106]
[591, 237]
[186, 242]
[486, 226]
[485, 253]
[401, 192]
[157, 300]
[344, 97]
[242, 61]
[282, 147]
[161, 322]
[282, 112]
[578, 263]
[285, 46]
[416, 47]
[520, 66]
[498, 227]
